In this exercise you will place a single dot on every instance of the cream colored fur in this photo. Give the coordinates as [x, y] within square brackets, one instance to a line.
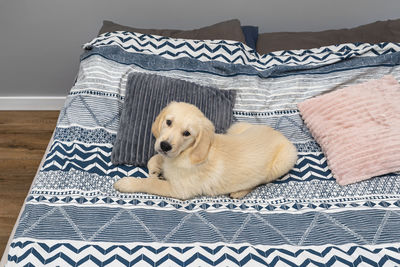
[205, 163]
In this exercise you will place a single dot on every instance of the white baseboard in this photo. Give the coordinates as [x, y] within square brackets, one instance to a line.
[32, 102]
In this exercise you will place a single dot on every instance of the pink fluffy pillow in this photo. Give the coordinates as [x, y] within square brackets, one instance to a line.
[358, 129]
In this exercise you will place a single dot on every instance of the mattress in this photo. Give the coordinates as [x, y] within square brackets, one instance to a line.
[73, 217]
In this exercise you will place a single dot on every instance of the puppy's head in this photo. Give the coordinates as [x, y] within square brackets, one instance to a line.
[182, 128]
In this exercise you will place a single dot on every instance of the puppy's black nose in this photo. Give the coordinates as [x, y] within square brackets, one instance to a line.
[165, 146]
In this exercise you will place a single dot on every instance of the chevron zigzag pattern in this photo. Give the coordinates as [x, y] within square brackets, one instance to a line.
[233, 52]
[96, 159]
[67, 254]
[91, 158]
[309, 166]
[94, 167]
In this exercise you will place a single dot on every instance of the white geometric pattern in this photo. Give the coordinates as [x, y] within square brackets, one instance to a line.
[128, 254]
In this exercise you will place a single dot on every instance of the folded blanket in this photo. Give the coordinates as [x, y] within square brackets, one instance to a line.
[358, 128]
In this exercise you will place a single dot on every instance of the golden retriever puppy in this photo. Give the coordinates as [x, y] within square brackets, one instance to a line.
[194, 161]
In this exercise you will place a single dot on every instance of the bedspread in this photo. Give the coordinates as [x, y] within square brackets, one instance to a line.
[74, 217]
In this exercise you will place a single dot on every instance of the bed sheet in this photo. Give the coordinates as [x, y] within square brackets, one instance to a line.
[74, 217]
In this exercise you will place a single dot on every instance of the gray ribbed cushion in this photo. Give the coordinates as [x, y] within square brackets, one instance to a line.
[146, 96]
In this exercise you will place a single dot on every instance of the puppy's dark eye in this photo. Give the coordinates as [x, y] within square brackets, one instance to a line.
[185, 133]
[169, 122]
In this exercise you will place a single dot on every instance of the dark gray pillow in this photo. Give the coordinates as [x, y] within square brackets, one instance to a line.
[379, 31]
[146, 96]
[226, 30]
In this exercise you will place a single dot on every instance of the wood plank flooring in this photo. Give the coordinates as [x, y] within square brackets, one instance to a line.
[24, 136]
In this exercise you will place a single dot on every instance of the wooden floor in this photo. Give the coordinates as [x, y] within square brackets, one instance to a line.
[24, 136]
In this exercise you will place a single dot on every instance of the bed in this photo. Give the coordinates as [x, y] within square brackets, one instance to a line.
[73, 217]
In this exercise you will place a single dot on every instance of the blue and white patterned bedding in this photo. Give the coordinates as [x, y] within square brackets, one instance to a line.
[74, 217]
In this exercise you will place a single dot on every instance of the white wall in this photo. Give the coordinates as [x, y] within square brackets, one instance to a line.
[40, 40]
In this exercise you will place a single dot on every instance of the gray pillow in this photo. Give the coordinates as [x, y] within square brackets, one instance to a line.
[379, 31]
[226, 30]
[146, 96]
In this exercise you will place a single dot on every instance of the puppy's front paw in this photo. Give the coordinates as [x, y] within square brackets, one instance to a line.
[154, 166]
[157, 173]
[125, 185]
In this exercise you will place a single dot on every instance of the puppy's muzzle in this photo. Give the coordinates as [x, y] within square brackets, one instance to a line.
[165, 146]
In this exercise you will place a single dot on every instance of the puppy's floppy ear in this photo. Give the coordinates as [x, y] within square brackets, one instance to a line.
[156, 127]
[203, 142]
